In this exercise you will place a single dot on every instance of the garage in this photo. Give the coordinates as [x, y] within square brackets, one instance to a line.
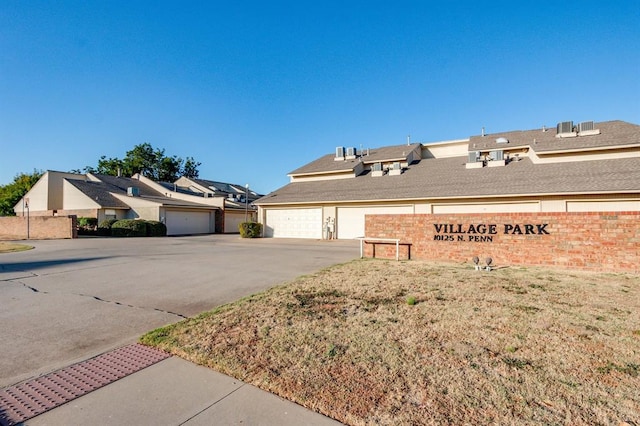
[350, 221]
[184, 222]
[293, 223]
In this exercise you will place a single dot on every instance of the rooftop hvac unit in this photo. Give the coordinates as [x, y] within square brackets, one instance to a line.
[586, 126]
[377, 167]
[133, 191]
[340, 152]
[395, 166]
[351, 152]
[565, 127]
[496, 155]
[474, 157]
[502, 140]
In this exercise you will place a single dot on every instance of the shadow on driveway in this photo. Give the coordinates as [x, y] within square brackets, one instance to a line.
[27, 266]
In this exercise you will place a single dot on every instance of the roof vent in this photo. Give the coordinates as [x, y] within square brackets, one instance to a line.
[496, 158]
[133, 191]
[376, 170]
[586, 125]
[587, 128]
[396, 169]
[496, 155]
[475, 160]
[565, 127]
[474, 156]
[502, 140]
[565, 130]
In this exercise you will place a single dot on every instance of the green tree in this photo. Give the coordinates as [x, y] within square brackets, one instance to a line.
[107, 166]
[148, 161]
[11, 193]
[190, 168]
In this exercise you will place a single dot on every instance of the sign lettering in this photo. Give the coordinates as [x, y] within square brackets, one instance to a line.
[482, 232]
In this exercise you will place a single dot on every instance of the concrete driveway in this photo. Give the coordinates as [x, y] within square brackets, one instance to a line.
[69, 300]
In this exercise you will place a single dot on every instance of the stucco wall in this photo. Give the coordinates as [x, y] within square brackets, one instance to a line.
[39, 227]
[232, 219]
[605, 241]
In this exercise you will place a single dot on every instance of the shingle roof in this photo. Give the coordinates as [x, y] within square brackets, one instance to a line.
[227, 188]
[448, 177]
[328, 164]
[98, 192]
[109, 185]
[438, 178]
[121, 183]
[175, 188]
[612, 133]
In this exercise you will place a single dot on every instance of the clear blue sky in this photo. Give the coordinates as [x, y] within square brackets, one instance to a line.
[254, 90]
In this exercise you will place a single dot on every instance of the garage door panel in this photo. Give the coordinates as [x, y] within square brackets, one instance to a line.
[350, 223]
[187, 222]
[294, 223]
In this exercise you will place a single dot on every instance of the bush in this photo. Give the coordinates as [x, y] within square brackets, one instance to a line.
[156, 229]
[87, 222]
[104, 229]
[129, 228]
[87, 225]
[250, 229]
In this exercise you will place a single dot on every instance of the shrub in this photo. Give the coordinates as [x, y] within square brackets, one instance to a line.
[87, 222]
[250, 229]
[87, 225]
[129, 228]
[104, 229]
[156, 229]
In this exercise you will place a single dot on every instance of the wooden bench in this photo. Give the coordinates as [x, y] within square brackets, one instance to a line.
[383, 241]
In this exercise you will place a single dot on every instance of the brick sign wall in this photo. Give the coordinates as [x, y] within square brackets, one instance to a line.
[594, 241]
[39, 227]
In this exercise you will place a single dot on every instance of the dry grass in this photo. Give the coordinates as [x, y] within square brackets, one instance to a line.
[513, 346]
[6, 247]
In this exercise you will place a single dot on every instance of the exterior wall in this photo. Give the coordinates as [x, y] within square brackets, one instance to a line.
[76, 199]
[533, 206]
[38, 197]
[603, 206]
[210, 201]
[606, 241]
[584, 155]
[457, 148]
[56, 181]
[232, 220]
[78, 213]
[327, 176]
[102, 214]
[39, 227]
[147, 213]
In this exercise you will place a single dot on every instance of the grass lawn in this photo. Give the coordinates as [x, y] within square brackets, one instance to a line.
[6, 247]
[385, 342]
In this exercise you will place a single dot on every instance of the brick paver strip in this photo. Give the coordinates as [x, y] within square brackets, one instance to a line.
[28, 399]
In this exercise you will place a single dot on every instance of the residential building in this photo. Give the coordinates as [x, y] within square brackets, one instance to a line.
[116, 197]
[574, 167]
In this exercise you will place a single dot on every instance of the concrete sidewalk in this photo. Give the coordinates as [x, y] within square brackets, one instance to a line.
[177, 392]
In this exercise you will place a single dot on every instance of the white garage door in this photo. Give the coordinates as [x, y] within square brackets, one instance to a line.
[188, 222]
[350, 223]
[294, 223]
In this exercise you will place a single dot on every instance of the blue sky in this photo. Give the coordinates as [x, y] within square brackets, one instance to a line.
[254, 90]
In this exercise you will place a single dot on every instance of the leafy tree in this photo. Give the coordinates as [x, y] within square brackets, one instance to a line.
[143, 159]
[148, 161]
[11, 193]
[190, 168]
[107, 166]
